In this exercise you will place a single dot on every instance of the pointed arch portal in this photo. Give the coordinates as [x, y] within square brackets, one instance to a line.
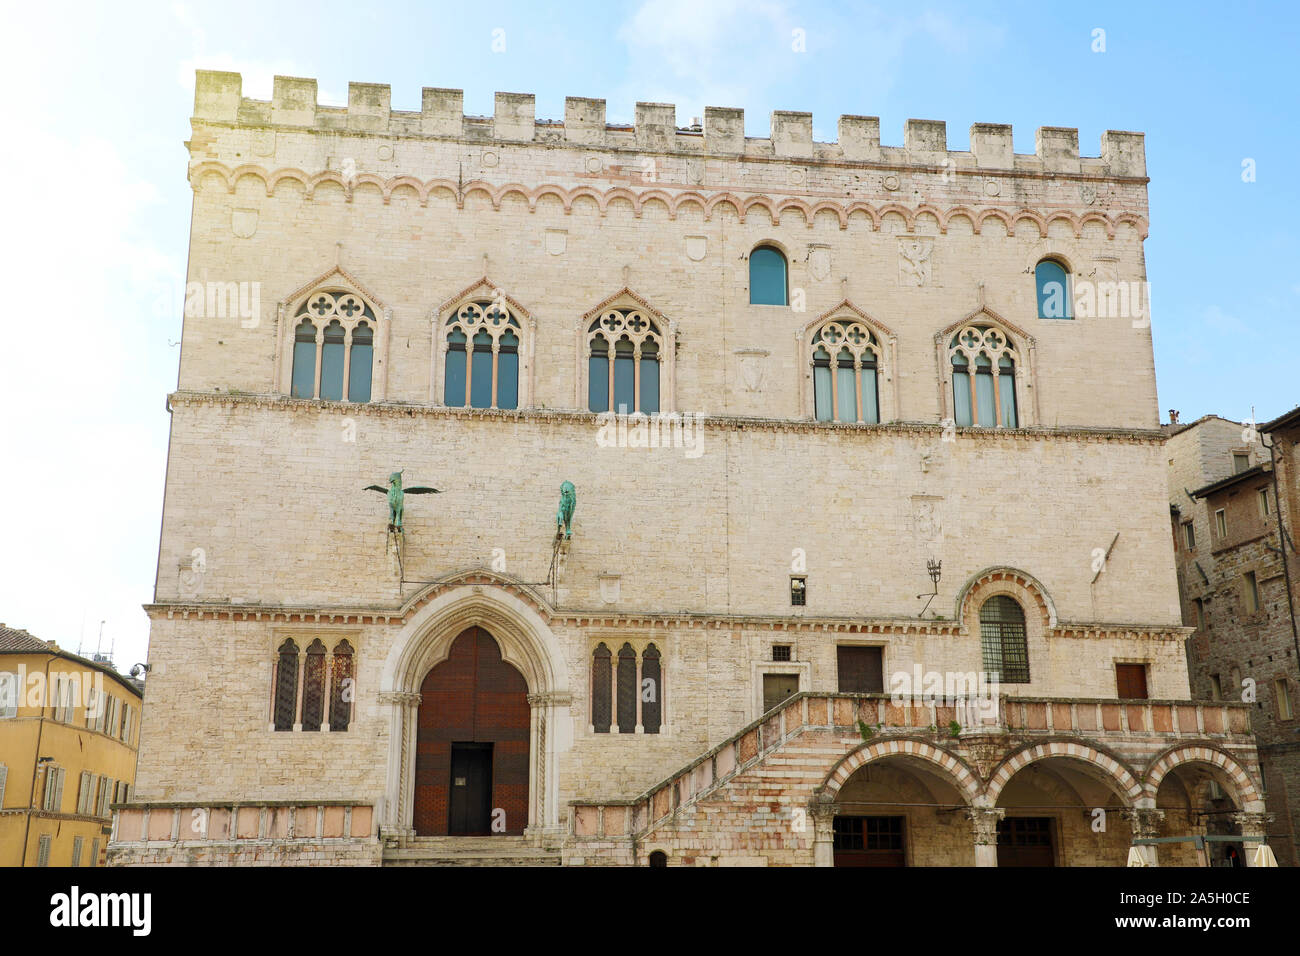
[472, 743]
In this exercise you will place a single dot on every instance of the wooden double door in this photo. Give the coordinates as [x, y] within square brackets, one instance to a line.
[472, 743]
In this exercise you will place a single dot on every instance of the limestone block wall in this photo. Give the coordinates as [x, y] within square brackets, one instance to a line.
[417, 209]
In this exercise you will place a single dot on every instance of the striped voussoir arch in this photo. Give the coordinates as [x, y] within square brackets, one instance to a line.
[1247, 793]
[963, 778]
[1126, 782]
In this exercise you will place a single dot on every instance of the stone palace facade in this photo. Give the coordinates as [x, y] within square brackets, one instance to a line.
[795, 385]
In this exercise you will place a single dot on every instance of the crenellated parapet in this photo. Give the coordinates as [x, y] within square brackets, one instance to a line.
[294, 105]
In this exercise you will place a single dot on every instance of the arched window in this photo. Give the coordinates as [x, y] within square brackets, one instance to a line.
[983, 378]
[361, 360]
[652, 690]
[1002, 638]
[313, 686]
[658, 858]
[304, 360]
[342, 687]
[628, 380]
[845, 363]
[1053, 286]
[767, 277]
[286, 685]
[341, 326]
[481, 369]
[600, 690]
[627, 690]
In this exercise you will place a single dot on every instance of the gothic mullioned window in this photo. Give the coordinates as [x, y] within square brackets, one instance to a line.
[621, 701]
[624, 352]
[845, 366]
[983, 377]
[481, 368]
[304, 685]
[333, 347]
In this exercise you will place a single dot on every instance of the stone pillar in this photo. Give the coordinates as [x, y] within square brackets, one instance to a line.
[823, 808]
[984, 823]
[1254, 830]
[1145, 824]
[398, 818]
[549, 711]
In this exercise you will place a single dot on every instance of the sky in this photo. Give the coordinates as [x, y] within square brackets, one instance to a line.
[96, 205]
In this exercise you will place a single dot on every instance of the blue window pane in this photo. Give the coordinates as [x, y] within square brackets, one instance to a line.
[846, 389]
[624, 378]
[507, 379]
[598, 383]
[984, 392]
[822, 392]
[766, 277]
[961, 395]
[361, 364]
[480, 379]
[870, 397]
[304, 362]
[453, 390]
[1053, 291]
[1007, 393]
[331, 363]
[649, 385]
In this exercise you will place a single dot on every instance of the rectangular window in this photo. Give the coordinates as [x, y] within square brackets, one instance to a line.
[1221, 523]
[798, 591]
[1263, 502]
[94, 852]
[1251, 590]
[53, 802]
[1199, 605]
[861, 669]
[1131, 681]
[8, 695]
[43, 850]
[4, 773]
[1284, 711]
[105, 790]
[777, 688]
[780, 652]
[1240, 462]
[1189, 536]
[1216, 688]
[84, 791]
[76, 851]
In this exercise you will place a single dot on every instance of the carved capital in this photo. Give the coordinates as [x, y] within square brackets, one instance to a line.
[549, 698]
[1144, 822]
[823, 809]
[400, 698]
[1253, 825]
[984, 821]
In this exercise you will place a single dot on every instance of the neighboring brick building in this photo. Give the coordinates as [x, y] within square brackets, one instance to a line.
[874, 357]
[68, 741]
[1233, 579]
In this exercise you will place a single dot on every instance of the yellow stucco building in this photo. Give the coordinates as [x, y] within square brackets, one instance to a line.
[69, 731]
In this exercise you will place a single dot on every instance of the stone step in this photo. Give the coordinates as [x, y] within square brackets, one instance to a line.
[470, 851]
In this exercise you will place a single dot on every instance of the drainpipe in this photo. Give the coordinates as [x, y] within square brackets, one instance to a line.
[40, 732]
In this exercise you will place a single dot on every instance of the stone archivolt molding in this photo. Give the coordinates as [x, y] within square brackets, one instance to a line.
[673, 202]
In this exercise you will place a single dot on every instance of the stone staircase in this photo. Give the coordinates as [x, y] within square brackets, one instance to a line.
[470, 851]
